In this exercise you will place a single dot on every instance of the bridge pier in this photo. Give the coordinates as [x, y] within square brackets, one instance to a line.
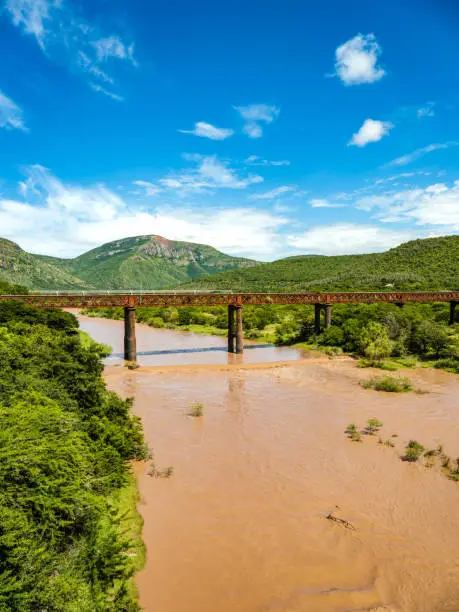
[231, 333]
[452, 312]
[239, 331]
[130, 345]
[235, 331]
[317, 317]
[328, 320]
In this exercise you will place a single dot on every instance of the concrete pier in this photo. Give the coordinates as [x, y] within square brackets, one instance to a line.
[239, 331]
[130, 345]
[231, 332]
[328, 319]
[317, 326]
[452, 312]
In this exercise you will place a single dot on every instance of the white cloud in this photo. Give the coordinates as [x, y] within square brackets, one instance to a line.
[347, 238]
[61, 34]
[274, 193]
[113, 46]
[371, 131]
[33, 16]
[256, 114]
[434, 205]
[10, 114]
[426, 111]
[357, 60]
[149, 189]
[415, 155]
[207, 130]
[255, 160]
[110, 94]
[209, 173]
[65, 220]
[323, 203]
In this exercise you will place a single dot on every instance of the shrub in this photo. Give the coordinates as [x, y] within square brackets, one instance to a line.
[353, 433]
[373, 425]
[391, 384]
[413, 451]
[332, 336]
[197, 410]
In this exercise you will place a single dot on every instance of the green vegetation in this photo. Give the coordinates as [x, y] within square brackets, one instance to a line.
[432, 263]
[413, 451]
[197, 410]
[353, 433]
[391, 384]
[373, 425]
[69, 531]
[148, 262]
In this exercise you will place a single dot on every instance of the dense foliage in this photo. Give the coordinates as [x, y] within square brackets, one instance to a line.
[65, 444]
[432, 263]
[376, 331]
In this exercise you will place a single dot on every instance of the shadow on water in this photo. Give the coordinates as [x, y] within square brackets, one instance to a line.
[190, 350]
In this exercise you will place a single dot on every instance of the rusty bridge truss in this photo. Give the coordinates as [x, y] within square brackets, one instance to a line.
[104, 300]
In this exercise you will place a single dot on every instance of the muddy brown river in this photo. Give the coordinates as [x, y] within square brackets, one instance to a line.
[241, 525]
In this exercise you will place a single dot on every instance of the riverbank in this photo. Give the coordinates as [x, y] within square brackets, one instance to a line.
[241, 523]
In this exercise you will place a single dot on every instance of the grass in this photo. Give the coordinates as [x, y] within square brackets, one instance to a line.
[353, 433]
[391, 365]
[197, 410]
[130, 526]
[413, 451]
[373, 425]
[390, 384]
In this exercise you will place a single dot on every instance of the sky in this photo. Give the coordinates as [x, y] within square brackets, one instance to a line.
[265, 128]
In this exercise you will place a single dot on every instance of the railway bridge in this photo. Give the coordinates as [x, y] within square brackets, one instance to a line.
[235, 302]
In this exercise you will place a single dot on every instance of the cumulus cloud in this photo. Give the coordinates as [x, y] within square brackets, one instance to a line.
[418, 153]
[357, 60]
[63, 219]
[255, 115]
[10, 114]
[347, 238]
[207, 130]
[209, 173]
[61, 34]
[434, 205]
[371, 131]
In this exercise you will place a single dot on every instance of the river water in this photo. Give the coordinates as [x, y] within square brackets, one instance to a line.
[241, 524]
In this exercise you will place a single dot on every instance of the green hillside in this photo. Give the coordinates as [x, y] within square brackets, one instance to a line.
[17, 266]
[432, 263]
[142, 262]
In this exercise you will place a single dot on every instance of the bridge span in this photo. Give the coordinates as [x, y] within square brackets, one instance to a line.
[235, 302]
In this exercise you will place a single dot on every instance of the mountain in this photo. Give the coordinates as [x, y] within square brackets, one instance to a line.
[141, 262]
[17, 266]
[431, 263]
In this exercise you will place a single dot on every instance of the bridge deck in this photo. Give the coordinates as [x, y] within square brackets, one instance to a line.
[101, 300]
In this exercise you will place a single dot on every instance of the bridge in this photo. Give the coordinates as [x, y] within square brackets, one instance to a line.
[235, 302]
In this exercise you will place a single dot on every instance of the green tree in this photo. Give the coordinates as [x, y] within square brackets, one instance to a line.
[375, 342]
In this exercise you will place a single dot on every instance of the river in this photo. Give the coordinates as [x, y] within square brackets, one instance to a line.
[241, 524]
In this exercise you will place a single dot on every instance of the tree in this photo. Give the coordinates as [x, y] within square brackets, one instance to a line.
[375, 342]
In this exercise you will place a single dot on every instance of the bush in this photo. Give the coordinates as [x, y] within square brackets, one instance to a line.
[332, 336]
[391, 384]
[413, 451]
[373, 425]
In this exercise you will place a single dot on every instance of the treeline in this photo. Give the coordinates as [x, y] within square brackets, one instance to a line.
[65, 446]
[420, 330]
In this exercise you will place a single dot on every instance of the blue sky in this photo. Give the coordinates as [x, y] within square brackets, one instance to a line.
[263, 128]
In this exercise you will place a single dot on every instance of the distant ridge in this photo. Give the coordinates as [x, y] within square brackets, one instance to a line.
[430, 263]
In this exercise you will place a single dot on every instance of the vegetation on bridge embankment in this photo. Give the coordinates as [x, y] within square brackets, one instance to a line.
[69, 531]
[384, 334]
